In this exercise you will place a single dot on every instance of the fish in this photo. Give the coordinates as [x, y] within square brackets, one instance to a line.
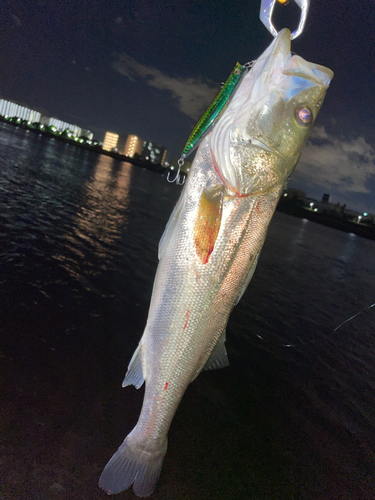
[211, 245]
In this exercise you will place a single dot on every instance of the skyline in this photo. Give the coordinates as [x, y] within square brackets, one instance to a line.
[150, 69]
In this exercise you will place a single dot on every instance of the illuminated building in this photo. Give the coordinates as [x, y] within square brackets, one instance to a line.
[133, 145]
[114, 142]
[11, 109]
[61, 126]
[110, 141]
[87, 134]
[153, 153]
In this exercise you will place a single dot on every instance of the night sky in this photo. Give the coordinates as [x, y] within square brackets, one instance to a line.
[151, 67]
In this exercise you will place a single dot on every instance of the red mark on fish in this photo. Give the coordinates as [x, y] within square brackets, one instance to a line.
[166, 385]
[187, 319]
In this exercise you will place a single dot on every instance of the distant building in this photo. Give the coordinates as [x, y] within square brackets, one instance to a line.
[86, 134]
[153, 152]
[11, 109]
[121, 145]
[60, 125]
[133, 145]
[325, 198]
[110, 141]
[114, 142]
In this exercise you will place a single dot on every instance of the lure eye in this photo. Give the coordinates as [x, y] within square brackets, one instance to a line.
[303, 115]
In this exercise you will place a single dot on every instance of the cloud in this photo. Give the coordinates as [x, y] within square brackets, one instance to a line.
[344, 166]
[193, 95]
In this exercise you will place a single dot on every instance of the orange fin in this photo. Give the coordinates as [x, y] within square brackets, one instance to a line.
[207, 223]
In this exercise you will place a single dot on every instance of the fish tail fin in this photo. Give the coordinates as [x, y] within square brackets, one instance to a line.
[130, 465]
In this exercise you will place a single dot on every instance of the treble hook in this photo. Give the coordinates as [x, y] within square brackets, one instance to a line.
[177, 178]
[266, 11]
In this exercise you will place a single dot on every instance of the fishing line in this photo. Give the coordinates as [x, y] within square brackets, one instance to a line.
[312, 341]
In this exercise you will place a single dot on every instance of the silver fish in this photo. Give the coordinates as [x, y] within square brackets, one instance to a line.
[211, 244]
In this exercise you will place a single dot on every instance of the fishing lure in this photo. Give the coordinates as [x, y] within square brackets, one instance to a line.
[215, 109]
[213, 112]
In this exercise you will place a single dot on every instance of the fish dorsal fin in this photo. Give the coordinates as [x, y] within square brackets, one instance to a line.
[134, 375]
[214, 110]
[218, 357]
[207, 222]
[248, 279]
[171, 224]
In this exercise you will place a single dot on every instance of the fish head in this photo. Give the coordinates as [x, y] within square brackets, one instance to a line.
[257, 142]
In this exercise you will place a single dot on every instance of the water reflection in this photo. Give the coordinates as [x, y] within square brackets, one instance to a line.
[104, 208]
[296, 245]
[348, 253]
[349, 248]
[101, 218]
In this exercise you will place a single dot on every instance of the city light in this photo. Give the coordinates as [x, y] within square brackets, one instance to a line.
[130, 145]
[110, 141]
[134, 144]
[10, 109]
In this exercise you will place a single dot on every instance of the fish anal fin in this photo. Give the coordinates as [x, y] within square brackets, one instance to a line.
[207, 222]
[134, 375]
[218, 357]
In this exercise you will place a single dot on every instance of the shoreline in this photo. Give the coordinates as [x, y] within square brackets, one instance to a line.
[331, 220]
[293, 209]
[154, 167]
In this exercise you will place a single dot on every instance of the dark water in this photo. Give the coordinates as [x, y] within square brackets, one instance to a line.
[78, 236]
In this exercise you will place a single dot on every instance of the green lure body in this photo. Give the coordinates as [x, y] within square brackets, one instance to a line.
[215, 110]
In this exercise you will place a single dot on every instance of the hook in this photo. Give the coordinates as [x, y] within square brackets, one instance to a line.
[266, 11]
[177, 176]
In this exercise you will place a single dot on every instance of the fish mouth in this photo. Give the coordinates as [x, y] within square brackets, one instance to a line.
[282, 42]
[279, 55]
[316, 74]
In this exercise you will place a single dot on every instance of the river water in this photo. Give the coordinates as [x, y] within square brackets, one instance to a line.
[78, 244]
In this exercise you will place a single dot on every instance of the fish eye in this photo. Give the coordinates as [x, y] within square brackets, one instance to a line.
[303, 115]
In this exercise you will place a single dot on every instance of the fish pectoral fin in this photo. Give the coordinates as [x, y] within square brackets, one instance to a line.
[218, 357]
[248, 279]
[207, 222]
[134, 375]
